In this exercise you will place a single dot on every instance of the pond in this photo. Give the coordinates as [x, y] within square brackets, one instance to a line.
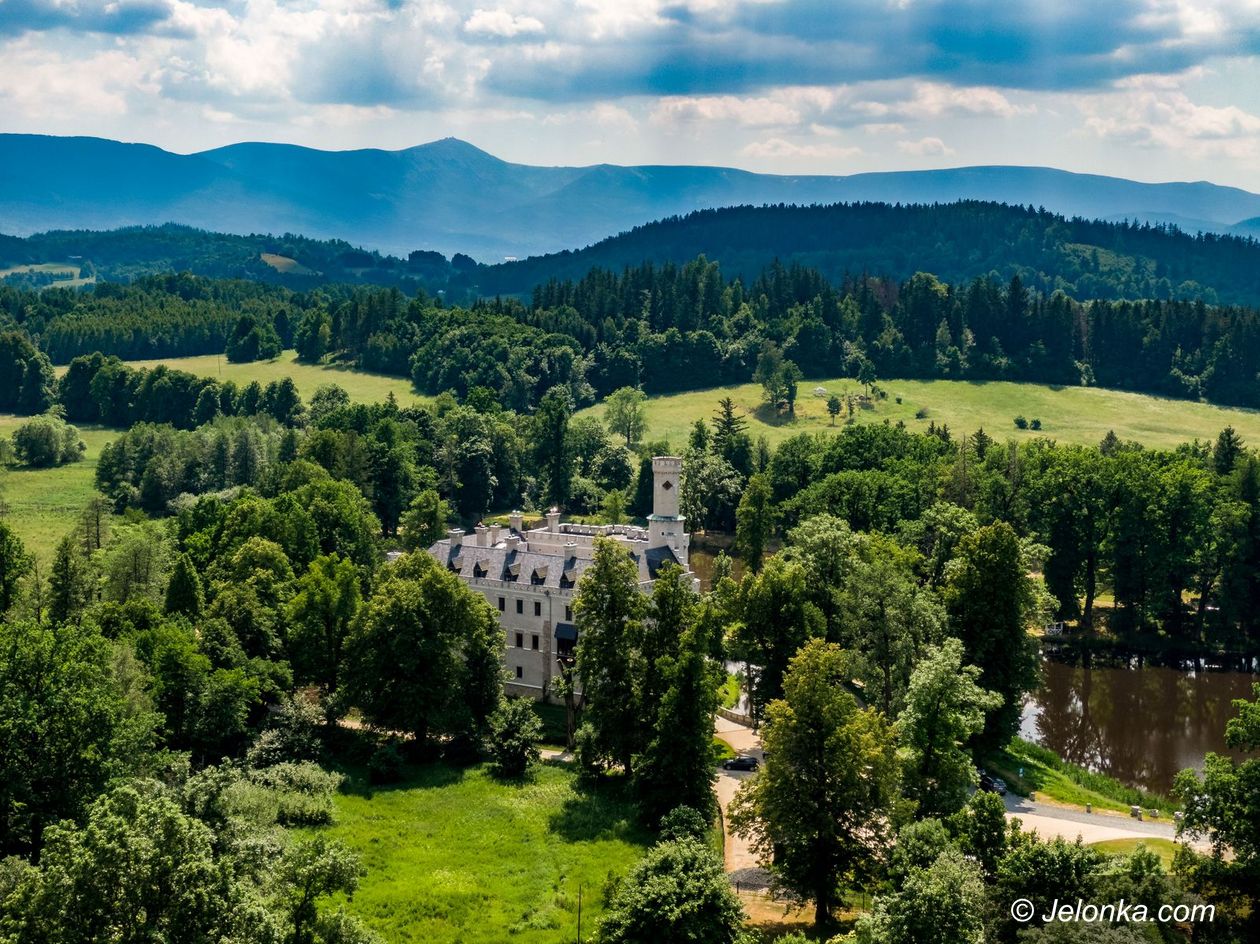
[1137, 722]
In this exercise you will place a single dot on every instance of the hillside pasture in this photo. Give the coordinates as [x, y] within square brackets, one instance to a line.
[63, 274]
[45, 504]
[285, 264]
[1067, 414]
[362, 386]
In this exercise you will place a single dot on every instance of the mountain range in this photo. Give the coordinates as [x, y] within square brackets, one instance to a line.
[452, 197]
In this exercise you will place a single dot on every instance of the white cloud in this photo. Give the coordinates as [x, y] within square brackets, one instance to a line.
[1170, 120]
[925, 147]
[933, 99]
[501, 23]
[683, 110]
[782, 148]
[38, 83]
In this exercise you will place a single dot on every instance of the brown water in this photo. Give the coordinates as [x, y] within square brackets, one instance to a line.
[1140, 724]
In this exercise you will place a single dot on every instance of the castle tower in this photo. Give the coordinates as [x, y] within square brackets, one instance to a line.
[665, 524]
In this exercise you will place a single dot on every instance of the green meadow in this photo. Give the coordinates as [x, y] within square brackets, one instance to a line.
[45, 504]
[362, 386]
[454, 855]
[1067, 414]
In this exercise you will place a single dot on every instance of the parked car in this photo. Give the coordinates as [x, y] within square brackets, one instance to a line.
[741, 762]
[992, 784]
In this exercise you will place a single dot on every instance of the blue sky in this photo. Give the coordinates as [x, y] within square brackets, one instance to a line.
[1150, 89]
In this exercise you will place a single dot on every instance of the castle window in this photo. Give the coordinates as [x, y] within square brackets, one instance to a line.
[568, 614]
[520, 640]
[520, 673]
[520, 606]
[502, 604]
[535, 645]
[537, 608]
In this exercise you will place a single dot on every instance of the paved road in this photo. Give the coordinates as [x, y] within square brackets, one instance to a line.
[739, 857]
[1051, 819]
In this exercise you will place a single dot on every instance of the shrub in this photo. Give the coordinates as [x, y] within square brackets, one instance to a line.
[47, 441]
[303, 792]
[515, 731]
[1036, 423]
[1021, 422]
[293, 735]
[921, 413]
[684, 822]
[677, 892]
[386, 764]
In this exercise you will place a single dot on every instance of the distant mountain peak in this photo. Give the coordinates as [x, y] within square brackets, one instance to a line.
[453, 196]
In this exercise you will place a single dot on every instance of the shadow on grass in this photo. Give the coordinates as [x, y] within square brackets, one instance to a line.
[430, 776]
[350, 752]
[772, 416]
[600, 810]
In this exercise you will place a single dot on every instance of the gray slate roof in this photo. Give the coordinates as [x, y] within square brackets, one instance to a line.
[557, 571]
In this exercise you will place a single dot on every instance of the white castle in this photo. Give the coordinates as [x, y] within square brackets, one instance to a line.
[531, 576]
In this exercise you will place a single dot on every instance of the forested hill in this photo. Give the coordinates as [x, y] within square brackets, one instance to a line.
[957, 242]
[298, 262]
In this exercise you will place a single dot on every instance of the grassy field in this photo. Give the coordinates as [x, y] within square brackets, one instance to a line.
[44, 504]
[286, 265]
[362, 386]
[67, 276]
[455, 856]
[1068, 414]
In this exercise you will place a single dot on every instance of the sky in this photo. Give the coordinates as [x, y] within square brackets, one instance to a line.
[1147, 89]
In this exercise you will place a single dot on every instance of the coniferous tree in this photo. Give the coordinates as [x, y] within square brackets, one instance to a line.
[15, 563]
[70, 582]
[184, 595]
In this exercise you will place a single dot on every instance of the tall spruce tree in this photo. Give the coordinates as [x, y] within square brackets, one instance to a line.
[184, 595]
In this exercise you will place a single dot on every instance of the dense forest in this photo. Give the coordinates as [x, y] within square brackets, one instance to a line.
[666, 328]
[124, 255]
[1086, 259]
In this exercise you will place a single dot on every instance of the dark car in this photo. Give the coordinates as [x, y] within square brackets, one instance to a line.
[992, 784]
[742, 762]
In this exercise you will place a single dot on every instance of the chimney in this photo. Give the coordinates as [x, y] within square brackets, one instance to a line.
[494, 535]
[513, 542]
[570, 550]
[516, 521]
[553, 521]
[456, 537]
[481, 531]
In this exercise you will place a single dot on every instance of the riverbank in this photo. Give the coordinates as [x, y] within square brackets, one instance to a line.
[1030, 769]
[1135, 650]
